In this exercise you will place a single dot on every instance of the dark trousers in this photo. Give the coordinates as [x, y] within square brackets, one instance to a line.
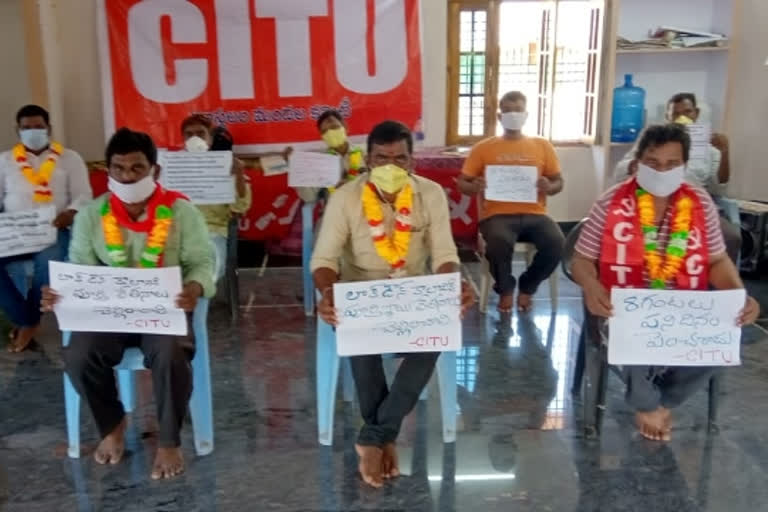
[732, 237]
[649, 387]
[383, 409]
[23, 309]
[501, 232]
[89, 360]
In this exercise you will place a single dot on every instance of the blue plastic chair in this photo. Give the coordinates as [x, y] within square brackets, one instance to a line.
[328, 364]
[201, 403]
[307, 241]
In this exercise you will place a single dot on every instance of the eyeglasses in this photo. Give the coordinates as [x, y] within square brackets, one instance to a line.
[400, 160]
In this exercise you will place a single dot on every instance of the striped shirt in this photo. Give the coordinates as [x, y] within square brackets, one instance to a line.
[591, 237]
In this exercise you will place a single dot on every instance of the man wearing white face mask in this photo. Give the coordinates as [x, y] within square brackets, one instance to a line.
[38, 173]
[198, 137]
[655, 231]
[138, 224]
[385, 223]
[502, 223]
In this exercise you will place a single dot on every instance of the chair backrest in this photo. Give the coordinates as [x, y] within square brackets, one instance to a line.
[569, 248]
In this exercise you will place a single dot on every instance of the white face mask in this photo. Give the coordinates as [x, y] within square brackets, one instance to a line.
[131, 193]
[195, 145]
[34, 139]
[514, 121]
[658, 183]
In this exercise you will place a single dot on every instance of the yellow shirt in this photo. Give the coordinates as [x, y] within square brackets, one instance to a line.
[344, 243]
[531, 151]
[217, 216]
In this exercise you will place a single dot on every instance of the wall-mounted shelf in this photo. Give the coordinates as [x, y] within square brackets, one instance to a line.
[694, 49]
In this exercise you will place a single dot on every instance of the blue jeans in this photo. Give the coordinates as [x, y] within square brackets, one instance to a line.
[22, 307]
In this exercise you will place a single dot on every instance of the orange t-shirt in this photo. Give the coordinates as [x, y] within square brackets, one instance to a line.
[530, 151]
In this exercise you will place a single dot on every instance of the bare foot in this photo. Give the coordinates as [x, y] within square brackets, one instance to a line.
[169, 462]
[370, 467]
[390, 465]
[112, 447]
[22, 339]
[654, 425]
[505, 303]
[524, 302]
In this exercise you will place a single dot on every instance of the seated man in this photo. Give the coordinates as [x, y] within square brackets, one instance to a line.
[655, 203]
[198, 136]
[333, 131]
[37, 173]
[113, 230]
[682, 109]
[502, 224]
[350, 248]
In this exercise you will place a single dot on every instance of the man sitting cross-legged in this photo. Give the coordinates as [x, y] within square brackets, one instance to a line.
[114, 230]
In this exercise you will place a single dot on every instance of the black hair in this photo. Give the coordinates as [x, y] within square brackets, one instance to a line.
[33, 111]
[222, 139]
[389, 132]
[512, 97]
[126, 141]
[661, 134]
[681, 97]
[197, 119]
[331, 112]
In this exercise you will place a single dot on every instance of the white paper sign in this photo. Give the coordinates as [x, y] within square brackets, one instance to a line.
[700, 157]
[273, 165]
[204, 177]
[110, 299]
[412, 314]
[511, 183]
[307, 169]
[27, 231]
[675, 328]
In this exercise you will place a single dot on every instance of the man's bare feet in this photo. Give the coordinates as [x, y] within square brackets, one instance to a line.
[23, 337]
[371, 460]
[169, 462]
[390, 465]
[524, 302]
[655, 425]
[505, 303]
[112, 447]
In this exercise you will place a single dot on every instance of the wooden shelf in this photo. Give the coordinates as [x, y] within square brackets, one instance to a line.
[695, 49]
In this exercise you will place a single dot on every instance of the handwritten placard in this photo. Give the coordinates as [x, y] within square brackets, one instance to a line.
[204, 177]
[412, 314]
[307, 169]
[273, 165]
[511, 183]
[109, 299]
[675, 328]
[27, 231]
[700, 156]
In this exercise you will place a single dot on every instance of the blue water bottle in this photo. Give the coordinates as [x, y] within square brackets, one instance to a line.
[628, 112]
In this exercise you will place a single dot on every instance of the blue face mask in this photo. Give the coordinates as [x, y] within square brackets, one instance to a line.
[34, 138]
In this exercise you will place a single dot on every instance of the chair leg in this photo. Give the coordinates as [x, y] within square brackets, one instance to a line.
[72, 410]
[446, 374]
[602, 390]
[485, 285]
[554, 289]
[714, 398]
[578, 371]
[127, 387]
[307, 241]
[201, 402]
[593, 369]
[327, 369]
[347, 381]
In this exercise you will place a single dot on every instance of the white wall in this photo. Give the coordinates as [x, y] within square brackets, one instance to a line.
[15, 84]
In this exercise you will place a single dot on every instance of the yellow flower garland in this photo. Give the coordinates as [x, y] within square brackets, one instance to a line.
[41, 178]
[663, 269]
[156, 239]
[392, 249]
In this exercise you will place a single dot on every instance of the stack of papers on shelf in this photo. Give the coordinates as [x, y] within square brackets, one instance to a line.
[625, 44]
[673, 37]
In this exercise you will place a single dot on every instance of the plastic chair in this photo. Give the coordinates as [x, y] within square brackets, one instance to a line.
[307, 241]
[485, 281]
[328, 364]
[200, 405]
[231, 277]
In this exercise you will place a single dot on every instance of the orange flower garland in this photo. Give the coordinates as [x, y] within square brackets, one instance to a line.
[41, 178]
[158, 235]
[661, 270]
[395, 249]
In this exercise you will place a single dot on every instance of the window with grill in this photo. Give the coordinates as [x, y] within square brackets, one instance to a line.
[548, 50]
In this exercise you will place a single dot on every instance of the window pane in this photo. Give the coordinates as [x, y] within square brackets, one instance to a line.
[472, 33]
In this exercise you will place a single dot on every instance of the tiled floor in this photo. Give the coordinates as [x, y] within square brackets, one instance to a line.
[518, 448]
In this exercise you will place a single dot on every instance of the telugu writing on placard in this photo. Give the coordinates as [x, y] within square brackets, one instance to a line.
[700, 155]
[675, 328]
[307, 169]
[27, 231]
[109, 299]
[412, 314]
[204, 177]
[511, 183]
